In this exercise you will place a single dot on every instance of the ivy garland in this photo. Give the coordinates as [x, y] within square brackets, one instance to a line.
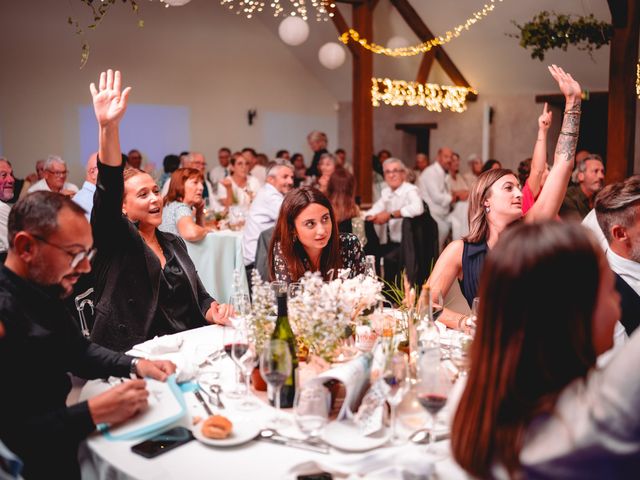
[99, 9]
[549, 30]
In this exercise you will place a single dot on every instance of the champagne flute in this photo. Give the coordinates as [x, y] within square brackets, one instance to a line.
[275, 368]
[243, 353]
[241, 303]
[228, 335]
[312, 404]
[396, 377]
[433, 389]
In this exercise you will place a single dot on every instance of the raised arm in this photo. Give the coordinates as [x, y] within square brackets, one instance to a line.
[109, 105]
[539, 158]
[548, 203]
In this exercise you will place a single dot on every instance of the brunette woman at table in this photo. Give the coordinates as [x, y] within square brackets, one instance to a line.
[341, 191]
[326, 167]
[306, 238]
[495, 202]
[535, 405]
[183, 212]
[239, 188]
[146, 284]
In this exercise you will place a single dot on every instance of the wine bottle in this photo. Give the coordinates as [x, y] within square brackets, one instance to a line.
[283, 332]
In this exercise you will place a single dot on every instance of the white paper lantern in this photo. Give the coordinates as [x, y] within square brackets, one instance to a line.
[397, 42]
[331, 55]
[293, 31]
[175, 3]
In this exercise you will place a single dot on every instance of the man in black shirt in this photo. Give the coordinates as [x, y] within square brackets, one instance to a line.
[50, 246]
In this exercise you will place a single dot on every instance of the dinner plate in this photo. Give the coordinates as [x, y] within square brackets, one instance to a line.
[244, 430]
[346, 436]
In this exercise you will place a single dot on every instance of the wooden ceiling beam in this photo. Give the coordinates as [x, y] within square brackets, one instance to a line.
[425, 66]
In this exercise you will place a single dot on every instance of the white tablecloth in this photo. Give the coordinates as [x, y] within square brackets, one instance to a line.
[257, 459]
[215, 258]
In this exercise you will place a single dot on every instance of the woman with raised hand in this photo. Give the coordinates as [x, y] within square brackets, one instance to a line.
[535, 405]
[495, 202]
[146, 284]
[306, 239]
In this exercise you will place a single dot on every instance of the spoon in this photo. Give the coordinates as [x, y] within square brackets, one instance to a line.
[216, 389]
[422, 436]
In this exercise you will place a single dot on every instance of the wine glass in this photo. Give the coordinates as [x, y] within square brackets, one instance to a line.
[243, 353]
[295, 289]
[228, 336]
[370, 266]
[434, 385]
[312, 404]
[459, 352]
[275, 368]
[241, 303]
[396, 377]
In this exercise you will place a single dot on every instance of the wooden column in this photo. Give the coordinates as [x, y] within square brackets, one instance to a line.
[362, 114]
[625, 17]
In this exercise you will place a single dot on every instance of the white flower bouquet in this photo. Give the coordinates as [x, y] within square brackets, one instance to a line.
[321, 314]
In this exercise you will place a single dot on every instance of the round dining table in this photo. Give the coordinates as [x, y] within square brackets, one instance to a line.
[104, 458]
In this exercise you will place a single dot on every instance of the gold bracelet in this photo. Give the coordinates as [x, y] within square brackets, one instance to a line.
[573, 112]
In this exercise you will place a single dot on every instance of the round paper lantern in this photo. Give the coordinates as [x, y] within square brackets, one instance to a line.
[397, 42]
[331, 55]
[293, 31]
[175, 3]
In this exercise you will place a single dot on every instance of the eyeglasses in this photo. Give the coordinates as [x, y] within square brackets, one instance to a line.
[395, 171]
[58, 174]
[76, 258]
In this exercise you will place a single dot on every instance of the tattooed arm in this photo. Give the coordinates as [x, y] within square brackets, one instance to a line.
[548, 203]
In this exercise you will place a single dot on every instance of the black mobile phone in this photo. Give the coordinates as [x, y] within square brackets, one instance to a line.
[316, 476]
[163, 442]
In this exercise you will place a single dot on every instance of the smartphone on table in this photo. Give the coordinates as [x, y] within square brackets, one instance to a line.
[163, 442]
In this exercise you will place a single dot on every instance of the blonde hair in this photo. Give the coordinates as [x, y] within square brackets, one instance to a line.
[478, 224]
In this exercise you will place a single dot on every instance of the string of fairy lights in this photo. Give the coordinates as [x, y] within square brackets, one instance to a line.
[353, 35]
[433, 97]
[295, 8]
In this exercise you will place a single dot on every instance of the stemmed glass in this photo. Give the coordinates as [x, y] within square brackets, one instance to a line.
[229, 338]
[434, 385]
[459, 352]
[243, 353]
[295, 289]
[312, 404]
[241, 303]
[275, 368]
[396, 376]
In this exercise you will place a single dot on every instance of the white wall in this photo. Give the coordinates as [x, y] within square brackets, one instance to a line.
[199, 58]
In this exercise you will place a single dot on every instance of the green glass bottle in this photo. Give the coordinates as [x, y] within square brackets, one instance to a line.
[282, 331]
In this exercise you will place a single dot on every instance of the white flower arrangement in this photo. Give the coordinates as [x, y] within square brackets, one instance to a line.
[321, 313]
[261, 320]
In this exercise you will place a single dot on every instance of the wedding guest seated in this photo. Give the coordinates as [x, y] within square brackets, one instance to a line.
[239, 188]
[318, 142]
[50, 248]
[399, 199]
[300, 169]
[495, 202]
[535, 405]
[6, 194]
[579, 198]
[283, 154]
[341, 191]
[474, 162]
[221, 170]
[341, 160]
[54, 178]
[265, 209]
[326, 167]
[491, 164]
[84, 197]
[306, 238]
[170, 163]
[183, 212]
[196, 161]
[146, 283]
[459, 188]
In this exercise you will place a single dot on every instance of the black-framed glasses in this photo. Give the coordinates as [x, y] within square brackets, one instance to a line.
[76, 258]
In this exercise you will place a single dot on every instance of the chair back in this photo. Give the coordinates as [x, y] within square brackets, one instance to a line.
[419, 246]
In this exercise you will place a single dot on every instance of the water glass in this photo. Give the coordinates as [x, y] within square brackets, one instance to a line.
[312, 405]
[275, 368]
[243, 353]
[396, 377]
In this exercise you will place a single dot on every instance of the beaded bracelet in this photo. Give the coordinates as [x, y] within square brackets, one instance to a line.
[569, 134]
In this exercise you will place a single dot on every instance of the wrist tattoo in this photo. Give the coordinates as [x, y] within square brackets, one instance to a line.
[568, 139]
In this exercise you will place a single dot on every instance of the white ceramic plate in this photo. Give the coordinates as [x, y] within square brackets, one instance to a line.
[244, 430]
[346, 436]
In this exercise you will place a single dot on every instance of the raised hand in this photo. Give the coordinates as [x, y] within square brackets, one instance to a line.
[568, 86]
[109, 103]
[544, 120]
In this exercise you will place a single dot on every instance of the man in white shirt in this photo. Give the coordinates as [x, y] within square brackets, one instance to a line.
[617, 209]
[55, 176]
[84, 197]
[434, 188]
[221, 171]
[265, 209]
[6, 194]
[398, 200]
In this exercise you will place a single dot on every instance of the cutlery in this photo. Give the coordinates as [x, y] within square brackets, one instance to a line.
[271, 435]
[198, 395]
[422, 436]
[216, 389]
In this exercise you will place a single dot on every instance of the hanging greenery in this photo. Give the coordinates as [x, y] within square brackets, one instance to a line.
[549, 30]
[99, 9]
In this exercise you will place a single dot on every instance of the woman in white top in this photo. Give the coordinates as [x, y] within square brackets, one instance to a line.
[535, 404]
[239, 188]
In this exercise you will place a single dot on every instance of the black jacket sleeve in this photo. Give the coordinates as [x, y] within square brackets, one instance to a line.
[110, 227]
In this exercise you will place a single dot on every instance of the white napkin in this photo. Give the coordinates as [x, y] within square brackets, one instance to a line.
[160, 345]
[400, 463]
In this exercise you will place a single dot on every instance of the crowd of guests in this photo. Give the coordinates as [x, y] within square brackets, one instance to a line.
[540, 400]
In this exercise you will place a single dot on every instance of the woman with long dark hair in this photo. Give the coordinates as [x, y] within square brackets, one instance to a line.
[535, 405]
[341, 192]
[306, 238]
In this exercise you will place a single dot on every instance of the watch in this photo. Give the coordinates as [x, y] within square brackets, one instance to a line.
[133, 368]
[393, 215]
